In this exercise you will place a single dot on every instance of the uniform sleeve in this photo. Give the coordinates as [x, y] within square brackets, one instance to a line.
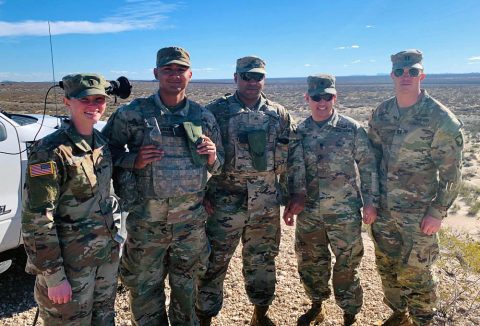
[287, 126]
[117, 133]
[447, 148]
[367, 167]
[296, 165]
[282, 152]
[213, 132]
[375, 140]
[41, 194]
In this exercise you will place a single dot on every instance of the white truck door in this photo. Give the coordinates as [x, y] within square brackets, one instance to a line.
[10, 186]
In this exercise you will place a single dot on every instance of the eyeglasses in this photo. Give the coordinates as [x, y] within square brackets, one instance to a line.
[249, 76]
[412, 72]
[326, 97]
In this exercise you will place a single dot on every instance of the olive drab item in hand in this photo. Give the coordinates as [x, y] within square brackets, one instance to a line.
[194, 135]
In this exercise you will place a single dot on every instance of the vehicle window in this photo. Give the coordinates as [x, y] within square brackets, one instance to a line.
[3, 132]
[23, 120]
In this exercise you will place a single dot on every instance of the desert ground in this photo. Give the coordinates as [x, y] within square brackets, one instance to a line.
[460, 301]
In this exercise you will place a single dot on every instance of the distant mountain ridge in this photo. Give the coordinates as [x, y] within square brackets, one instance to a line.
[470, 78]
[432, 79]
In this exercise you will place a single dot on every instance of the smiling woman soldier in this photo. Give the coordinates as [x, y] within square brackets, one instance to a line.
[67, 222]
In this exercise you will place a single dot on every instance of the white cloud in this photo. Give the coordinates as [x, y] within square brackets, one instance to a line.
[31, 76]
[307, 65]
[356, 61]
[354, 46]
[474, 58]
[369, 26]
[372, 60]
[137, 14]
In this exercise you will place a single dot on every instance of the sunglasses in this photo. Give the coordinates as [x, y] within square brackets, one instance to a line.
[249, 76]
[412, 72]
[326, 97]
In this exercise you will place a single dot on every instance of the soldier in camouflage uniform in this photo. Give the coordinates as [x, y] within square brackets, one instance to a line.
[67, 222]
[418, 144]
[171, 146]
[244, 199]
[328, 151]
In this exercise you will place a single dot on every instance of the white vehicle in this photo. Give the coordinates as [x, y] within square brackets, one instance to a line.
[17, 134]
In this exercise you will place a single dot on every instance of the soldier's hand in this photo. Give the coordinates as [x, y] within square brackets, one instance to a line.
[294, 207]
[288, 217]
[430, 225]
[208, 204]
[207, 147]
[61, 293]
[369, 214]
[146, 155]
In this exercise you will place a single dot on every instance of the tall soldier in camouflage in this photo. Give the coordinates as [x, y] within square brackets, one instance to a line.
[328, 151]
[67, 222]
[171, 146]
[418, 144]
[244, 199]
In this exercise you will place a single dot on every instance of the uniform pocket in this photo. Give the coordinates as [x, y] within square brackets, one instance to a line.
[82, 179]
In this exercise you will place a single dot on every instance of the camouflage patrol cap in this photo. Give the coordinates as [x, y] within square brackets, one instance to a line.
[321, 84]
[173, 54]
[85, 84]
[410, 58]
[251, 64]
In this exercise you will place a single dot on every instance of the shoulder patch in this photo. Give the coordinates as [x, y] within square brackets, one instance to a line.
[459, 140]
[40, 169]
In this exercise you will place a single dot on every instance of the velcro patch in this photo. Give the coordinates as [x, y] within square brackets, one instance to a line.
[39, 169]
[459, 140]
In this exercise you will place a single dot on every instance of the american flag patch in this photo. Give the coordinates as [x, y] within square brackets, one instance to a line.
[39, 169]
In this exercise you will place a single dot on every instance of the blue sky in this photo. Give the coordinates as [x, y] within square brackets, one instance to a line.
[296, 38]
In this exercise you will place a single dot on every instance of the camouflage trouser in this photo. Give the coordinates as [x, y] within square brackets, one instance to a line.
[165, 236]
[254, 218]
[93, 297]
[404, 257]
[313, 234]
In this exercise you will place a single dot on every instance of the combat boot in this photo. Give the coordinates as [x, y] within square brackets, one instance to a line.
[398, 318]
[349, 319]
[207, 321]
[315, 313]
[260, 318]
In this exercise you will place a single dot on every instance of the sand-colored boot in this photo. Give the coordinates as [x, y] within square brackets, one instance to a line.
[260, 318]
[397, 318]
[316, 313]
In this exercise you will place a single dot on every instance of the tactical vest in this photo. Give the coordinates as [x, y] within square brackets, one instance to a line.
[181, 171]
[250, 137]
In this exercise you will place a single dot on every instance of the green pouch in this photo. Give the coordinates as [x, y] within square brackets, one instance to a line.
[257, 141]
[194, 135]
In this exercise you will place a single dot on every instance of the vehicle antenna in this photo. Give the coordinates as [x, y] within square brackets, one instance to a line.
[53, 69]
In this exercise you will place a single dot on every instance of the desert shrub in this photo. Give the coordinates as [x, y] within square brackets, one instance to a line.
[459, 271]
[471, 196]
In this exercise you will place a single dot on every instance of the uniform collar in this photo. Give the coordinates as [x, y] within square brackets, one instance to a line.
[80, 142]
[164, 110]
[331, 121]
[260, 103]
[413, 108]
